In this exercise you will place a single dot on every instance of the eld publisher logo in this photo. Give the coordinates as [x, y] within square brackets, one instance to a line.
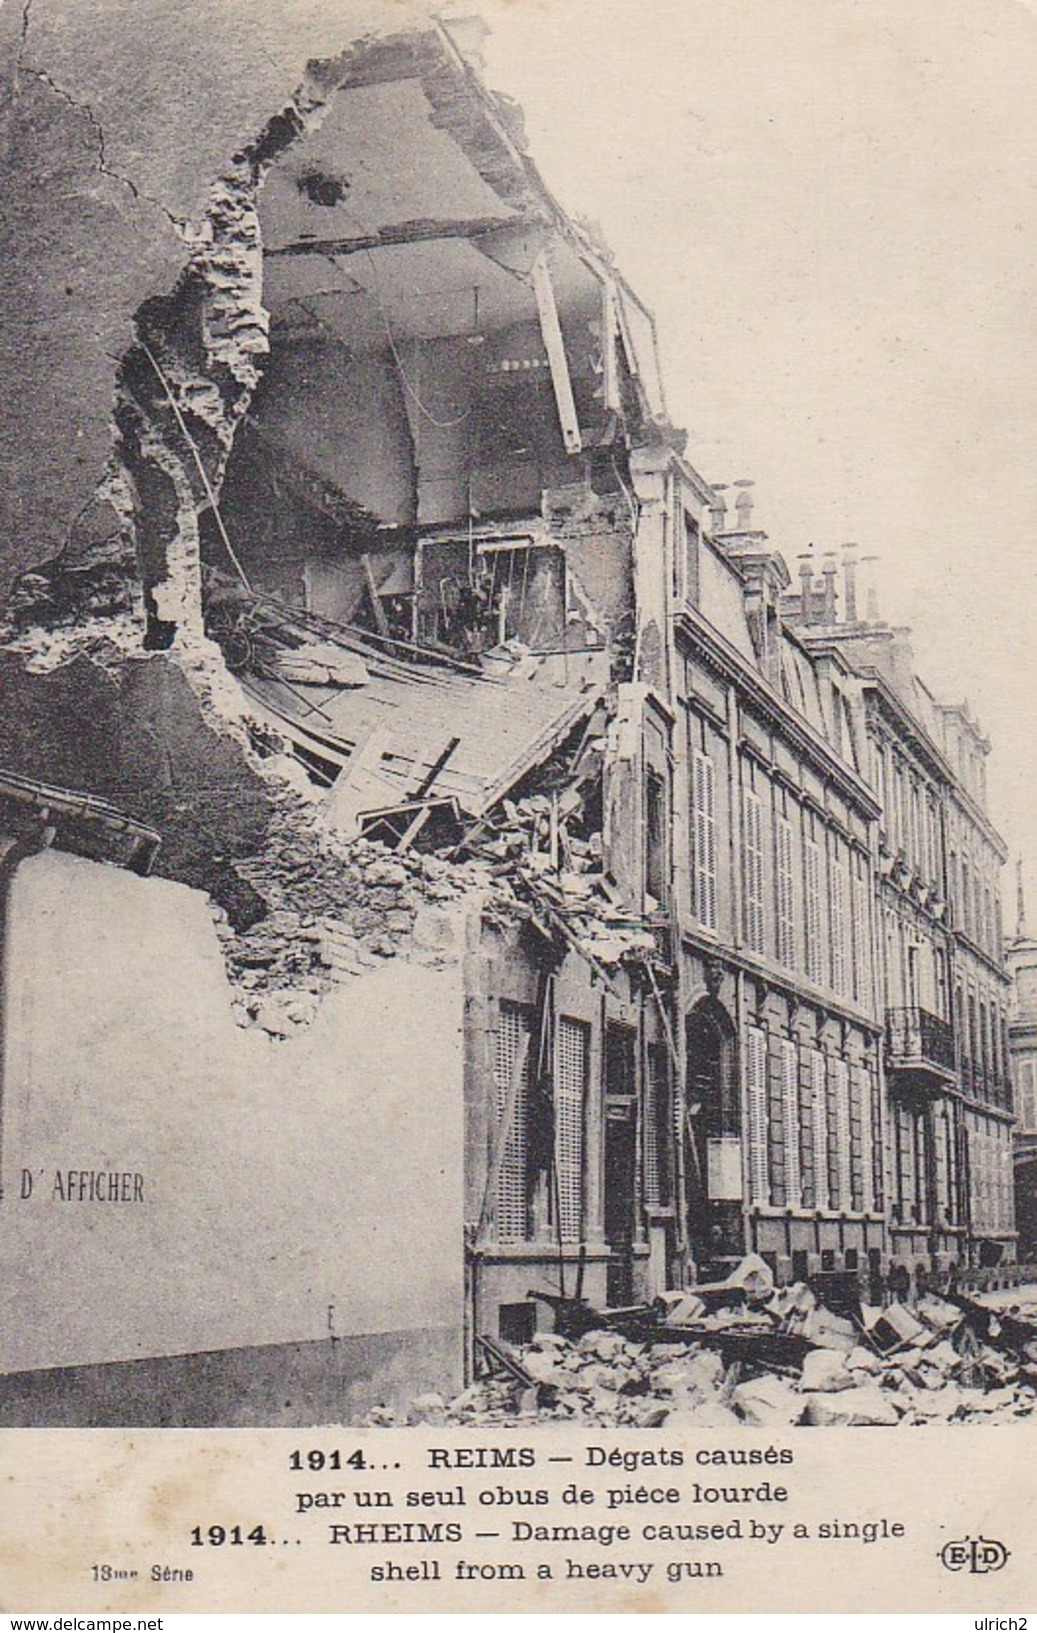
[976, 1555]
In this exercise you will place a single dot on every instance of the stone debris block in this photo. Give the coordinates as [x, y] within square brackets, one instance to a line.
[863, 1360]
[864, 1405]
[681, 1307]
[827, 1370]
[828, 1331]
[429, 1408]
[767, 1401]
[754, 1275]
[897, 1326]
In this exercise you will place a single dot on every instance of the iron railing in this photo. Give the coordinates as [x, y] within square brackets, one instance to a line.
[917, 1040]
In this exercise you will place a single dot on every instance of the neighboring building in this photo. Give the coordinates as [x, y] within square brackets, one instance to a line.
[943, 990]
[1021, 956]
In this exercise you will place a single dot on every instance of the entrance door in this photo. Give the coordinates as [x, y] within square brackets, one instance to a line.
[712, 1144]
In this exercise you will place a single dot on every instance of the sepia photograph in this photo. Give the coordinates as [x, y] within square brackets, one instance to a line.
[518, 642]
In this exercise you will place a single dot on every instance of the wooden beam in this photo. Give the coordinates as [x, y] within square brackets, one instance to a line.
[551, 329]
[376, 600]
[425, 230]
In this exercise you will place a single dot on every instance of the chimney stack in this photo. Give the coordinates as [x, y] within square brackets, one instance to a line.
[718, 508]
[1020, 902]
[873, 616]
[850, 583]
[829, 571]
[744, 504]
[806, 587]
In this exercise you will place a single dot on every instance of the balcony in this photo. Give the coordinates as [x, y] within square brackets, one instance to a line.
[919, 1049]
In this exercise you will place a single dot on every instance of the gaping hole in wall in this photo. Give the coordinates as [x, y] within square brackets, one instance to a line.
[375, 445]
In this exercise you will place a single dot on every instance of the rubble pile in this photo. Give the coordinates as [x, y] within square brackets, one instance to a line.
[335, 910]
[560, 873]
[891, 1368]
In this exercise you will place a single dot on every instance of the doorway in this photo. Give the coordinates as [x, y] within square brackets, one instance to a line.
[712, 1136]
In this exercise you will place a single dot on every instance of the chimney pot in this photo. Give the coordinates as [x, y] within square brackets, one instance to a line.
[744, 504]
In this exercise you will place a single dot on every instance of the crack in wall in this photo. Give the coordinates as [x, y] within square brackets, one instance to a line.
[97, 130]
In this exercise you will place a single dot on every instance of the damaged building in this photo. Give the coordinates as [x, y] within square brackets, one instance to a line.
[447, 865]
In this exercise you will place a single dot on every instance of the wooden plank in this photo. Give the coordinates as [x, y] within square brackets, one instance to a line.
[551, 329]
[376, 600]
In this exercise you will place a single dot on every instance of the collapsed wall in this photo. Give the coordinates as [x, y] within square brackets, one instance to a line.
[99, 546]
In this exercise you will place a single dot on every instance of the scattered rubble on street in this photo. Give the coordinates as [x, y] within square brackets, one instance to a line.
[947, 1360]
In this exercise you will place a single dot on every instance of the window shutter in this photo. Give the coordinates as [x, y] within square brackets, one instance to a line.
[790, 1104]
[657, 1129]
[867, 1176]
[812, 907]
[844, 1155]
[786, 915]
[819, 1103]
[513, 1033]
[756, 1091]
[570, 1088]
[838, 918]
[704, 798]
[753, 871]
[861, 928]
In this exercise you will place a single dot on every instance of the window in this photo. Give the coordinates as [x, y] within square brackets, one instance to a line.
[837, 922]
[756, 1089]
[753, 873]
[512, 1075]
[655, 837]
[840, 1074]
[790, 1106]
[783, 876]
[704, 831]
[812, 909]
[692, 540]
[573, 1049]
[819, 1109]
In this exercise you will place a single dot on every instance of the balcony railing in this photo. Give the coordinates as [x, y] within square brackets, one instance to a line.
[919, 1042]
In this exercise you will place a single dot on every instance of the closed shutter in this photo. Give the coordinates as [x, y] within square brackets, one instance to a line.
[867, 1176]
[861, 930]
[790, 1105]
[837, 899]
[657, 1129]
[812, 907]
[570, 1089]
[819, 1104]
[513, 1034]
[786, 913]
[753, 870]
[756, 1094]
[704, 799]
[844, 1154]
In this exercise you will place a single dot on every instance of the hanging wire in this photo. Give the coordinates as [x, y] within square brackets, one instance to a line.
[441, 425]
